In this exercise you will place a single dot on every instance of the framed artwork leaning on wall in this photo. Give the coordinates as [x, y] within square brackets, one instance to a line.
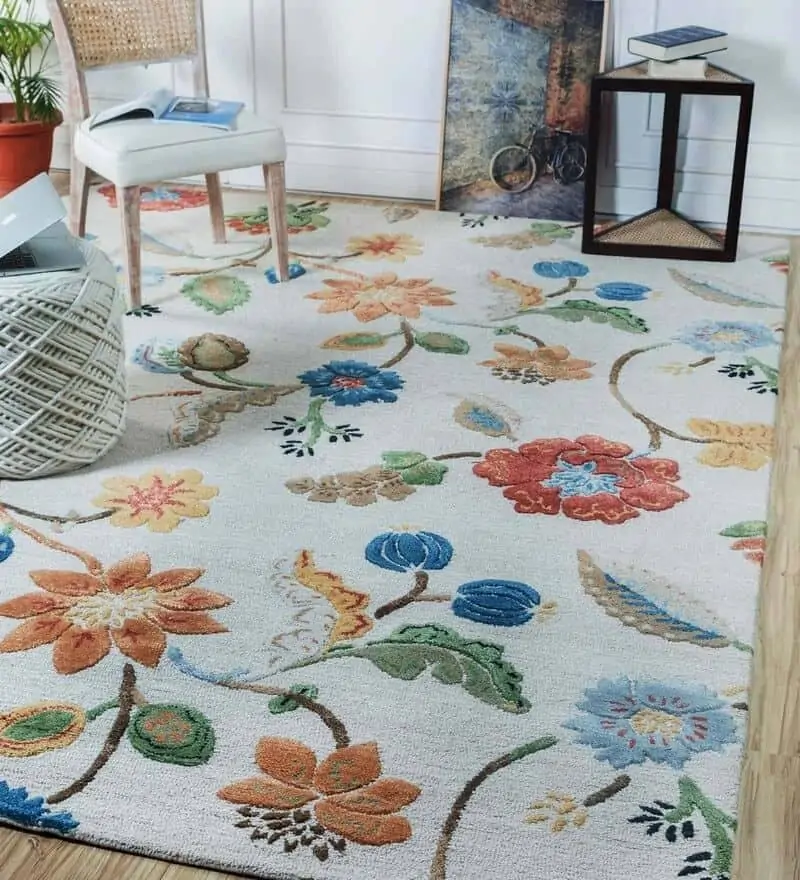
[516, 106]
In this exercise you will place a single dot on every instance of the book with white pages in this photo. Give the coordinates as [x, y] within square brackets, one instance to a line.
[161, 105]
[686, 68]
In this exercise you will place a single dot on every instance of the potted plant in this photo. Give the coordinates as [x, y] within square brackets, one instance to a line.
[29, 119]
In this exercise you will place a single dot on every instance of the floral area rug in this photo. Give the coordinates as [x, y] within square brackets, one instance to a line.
[439, 561]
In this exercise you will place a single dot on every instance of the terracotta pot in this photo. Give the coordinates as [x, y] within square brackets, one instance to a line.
[26, 148]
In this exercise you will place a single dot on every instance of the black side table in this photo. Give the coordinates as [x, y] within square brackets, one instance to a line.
[663, 232]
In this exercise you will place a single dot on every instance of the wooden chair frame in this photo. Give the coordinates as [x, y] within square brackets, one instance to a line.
[129, 198]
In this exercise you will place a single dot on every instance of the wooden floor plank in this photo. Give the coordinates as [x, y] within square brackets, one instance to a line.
[768, 839]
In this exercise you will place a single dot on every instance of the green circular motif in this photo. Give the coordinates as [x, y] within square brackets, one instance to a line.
[172, 734]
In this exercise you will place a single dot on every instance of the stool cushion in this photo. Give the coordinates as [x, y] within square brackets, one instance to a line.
[140, 151]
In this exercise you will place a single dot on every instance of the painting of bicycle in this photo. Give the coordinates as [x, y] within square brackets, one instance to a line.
[516, 112]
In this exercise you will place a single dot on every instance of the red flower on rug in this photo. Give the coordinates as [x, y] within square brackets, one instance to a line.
[589, 478]
[162, 198]
[754, 549]
[83, 613]
[347, 796]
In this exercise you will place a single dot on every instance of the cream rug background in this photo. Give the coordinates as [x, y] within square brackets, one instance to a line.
[439, 561]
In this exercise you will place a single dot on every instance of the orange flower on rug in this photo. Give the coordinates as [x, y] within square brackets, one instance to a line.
[369, 298]
[157, 500]
[545, 365]
[348, 797]
[83, 613]
[396, 248]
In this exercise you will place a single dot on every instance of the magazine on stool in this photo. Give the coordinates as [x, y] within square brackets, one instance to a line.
[161, 105]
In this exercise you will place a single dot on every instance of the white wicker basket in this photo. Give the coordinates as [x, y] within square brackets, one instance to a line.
[62, 368]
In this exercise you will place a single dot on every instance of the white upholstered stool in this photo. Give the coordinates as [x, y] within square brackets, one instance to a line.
[62, 368]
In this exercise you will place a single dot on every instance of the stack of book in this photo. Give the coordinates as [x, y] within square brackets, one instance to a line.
[678, 53]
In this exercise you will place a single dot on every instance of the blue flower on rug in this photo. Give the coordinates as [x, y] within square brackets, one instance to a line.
[630, 722]
[295, 271]
[409, 551]
[6, 545]
[496, 602]
[623, 291]
[713, 337]
[17, 806]
[561, 269]
[351, 383]
[155, 356]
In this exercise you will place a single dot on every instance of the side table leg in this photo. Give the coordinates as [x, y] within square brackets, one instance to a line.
[592, 164]
[669, 149]
[738, 176]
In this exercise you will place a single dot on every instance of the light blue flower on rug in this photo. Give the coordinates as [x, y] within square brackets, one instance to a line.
[581, 479]
[496, 602]
[409, 551]
[623, 291]
[713, 337]
[157, 356]
[6, 543]
[561, 269]
[17, 806]
[630, 722]
[351, 383]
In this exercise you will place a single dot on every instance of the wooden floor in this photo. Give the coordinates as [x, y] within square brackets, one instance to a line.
[768, 842]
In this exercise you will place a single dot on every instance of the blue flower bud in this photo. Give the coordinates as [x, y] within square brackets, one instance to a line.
[495, 602]
[409, 551]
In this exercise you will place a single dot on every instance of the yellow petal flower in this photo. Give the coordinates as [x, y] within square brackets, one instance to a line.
[159, 500]
[747, 446]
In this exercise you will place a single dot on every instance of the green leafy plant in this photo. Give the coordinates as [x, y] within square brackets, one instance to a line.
[24, 69]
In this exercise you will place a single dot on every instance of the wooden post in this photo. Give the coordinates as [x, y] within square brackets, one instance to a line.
[768, 839]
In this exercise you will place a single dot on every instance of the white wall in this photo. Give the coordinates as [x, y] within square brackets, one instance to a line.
[358, 86]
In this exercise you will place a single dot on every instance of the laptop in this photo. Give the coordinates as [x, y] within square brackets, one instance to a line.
[33, 237]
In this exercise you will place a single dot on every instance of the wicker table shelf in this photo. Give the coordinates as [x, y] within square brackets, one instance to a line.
[663, 232]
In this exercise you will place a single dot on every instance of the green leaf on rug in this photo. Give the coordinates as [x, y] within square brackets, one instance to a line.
[718, 291]
[628, 603]
[355, 341]
[172, 734]
[415, 469]
[477, 666]
[576, 310]
[442, 343]
[47, 723]
[217, 293]
[282, 704]
[754, 528]
[549, 230]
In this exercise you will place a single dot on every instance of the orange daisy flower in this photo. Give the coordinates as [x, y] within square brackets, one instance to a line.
[395, 247]
[127, 604]
[345, 791]
[373, 297]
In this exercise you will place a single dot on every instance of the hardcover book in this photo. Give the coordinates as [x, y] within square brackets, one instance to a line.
[677, 43]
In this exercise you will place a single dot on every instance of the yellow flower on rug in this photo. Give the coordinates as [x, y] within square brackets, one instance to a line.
[159, 500]
[397, 247]
[747, 446]
[547, 364]
[369, 298]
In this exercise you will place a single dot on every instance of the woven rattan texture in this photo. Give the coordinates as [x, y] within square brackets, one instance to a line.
[107, 32]
[639, 71]
[62, 369]
[660, 228]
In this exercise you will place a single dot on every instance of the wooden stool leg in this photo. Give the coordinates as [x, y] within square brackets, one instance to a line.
[274, 177]
[78, 197]
[128, 200]
[215, 205]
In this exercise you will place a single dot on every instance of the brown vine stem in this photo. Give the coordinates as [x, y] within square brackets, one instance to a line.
[316, 264]
[609, 791]
[657, 432]
[420, 585]
[451, 456]
[539, 343]
[156, 394]
[190, 377]
[336, 727]
[93, 565]
[408, 335]
[571, 284]
[61, 520]
[701, 363]
[439, 865]
[249, 261]
[120, 725]
[335, 257]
